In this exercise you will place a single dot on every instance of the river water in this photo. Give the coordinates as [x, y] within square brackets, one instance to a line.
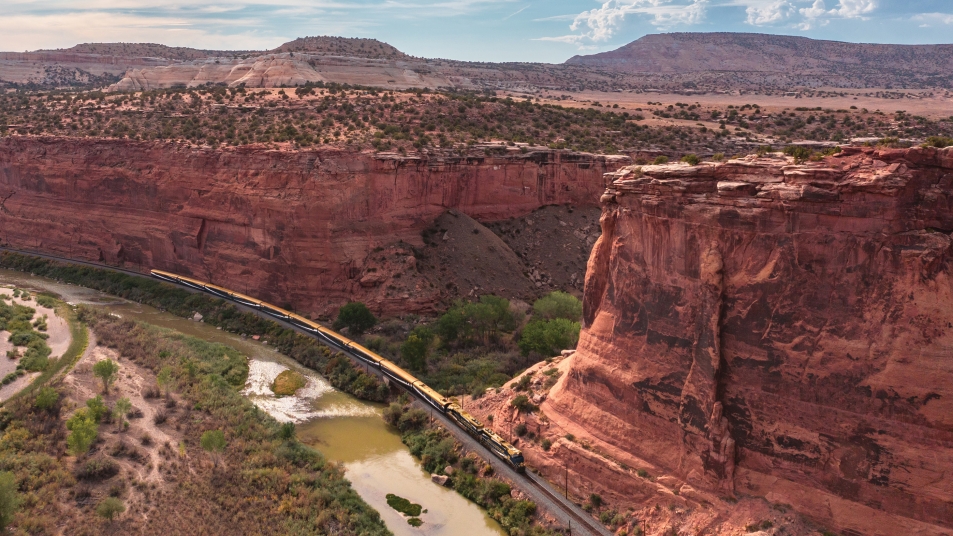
[343, 428]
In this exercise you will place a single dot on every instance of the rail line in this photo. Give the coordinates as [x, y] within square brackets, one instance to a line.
[570, 510]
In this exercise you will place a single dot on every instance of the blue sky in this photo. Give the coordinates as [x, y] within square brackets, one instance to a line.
[478, 30]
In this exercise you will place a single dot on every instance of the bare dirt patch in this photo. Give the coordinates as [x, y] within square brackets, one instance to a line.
[145, 440]
[468, 259]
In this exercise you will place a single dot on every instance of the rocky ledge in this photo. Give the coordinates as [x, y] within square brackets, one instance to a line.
[761, 328]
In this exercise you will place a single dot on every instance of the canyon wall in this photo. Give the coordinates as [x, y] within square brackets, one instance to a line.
[293, 227]
[777, 330]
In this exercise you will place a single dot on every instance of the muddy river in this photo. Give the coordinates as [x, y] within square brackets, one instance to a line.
[343, 428]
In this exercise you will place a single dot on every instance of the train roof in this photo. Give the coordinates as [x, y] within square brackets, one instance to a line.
[466, 416]
[510, 449]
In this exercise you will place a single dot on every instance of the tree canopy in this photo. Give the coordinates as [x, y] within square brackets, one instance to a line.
[356, 317]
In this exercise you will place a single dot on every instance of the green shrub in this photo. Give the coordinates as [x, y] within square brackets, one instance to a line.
[938, 142]
[659, 160]
[286, 431]
[97, 468]
[469, 323]
[83, 431]
[9, 499]
[45, 301]
[522, 404]
[97, 408]
[413, 419]
[46, 398]
[800, 153]
[213, 442]
[110, 507]
[415, 349]
[558, 304]
[356, 317]
[523, 383]
[691, 159]
[547, 444]
[546, 338]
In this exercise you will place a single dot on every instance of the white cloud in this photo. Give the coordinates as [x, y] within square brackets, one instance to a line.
[852, 9]
[928, 20]
[773, 13]
[602, 23]
[812, 14]
[803, 14]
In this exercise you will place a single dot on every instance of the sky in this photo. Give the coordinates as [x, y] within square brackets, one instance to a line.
[472, 30]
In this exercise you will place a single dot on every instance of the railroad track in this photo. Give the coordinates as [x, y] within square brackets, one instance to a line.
[583, 519]
[565, 511]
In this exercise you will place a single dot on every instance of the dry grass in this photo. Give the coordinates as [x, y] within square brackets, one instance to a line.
[264, 485]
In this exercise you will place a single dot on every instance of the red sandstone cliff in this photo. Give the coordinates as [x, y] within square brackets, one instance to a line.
[766, 329]
[293, 227]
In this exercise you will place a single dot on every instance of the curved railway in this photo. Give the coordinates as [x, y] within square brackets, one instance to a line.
[465, 422]
[489, 439]
[581, 523]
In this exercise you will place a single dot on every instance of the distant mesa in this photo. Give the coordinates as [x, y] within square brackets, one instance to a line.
[676, 62]
[322, 45]
[343, 46]
[701, 52]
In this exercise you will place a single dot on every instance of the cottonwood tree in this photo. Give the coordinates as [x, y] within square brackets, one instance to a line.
[106, 370]
[122, 407]
[83, 431]
[356, 317]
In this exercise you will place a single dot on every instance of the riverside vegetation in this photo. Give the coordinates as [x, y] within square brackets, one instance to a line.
[338, 369]
[25, 332]
[469, 369]
[263, 482]
[480, 344]
[470, 476]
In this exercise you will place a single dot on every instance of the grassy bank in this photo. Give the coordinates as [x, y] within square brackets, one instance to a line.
[339, 370]
[56, 368]
[263, 480]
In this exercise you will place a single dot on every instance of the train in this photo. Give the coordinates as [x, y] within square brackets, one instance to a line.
[468, 423]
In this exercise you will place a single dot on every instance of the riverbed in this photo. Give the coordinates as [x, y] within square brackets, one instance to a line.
[343, 428]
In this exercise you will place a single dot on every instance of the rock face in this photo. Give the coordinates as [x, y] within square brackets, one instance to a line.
[778, 330]
[295, 228]
[281, 69]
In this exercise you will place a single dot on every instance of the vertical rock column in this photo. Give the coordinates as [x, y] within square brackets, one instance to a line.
[700, 413]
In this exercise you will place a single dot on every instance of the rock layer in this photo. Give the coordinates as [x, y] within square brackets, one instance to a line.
[295, 228]
[779, 330]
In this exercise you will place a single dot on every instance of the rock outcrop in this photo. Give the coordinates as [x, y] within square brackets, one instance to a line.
[307, 228]
[778, 330]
